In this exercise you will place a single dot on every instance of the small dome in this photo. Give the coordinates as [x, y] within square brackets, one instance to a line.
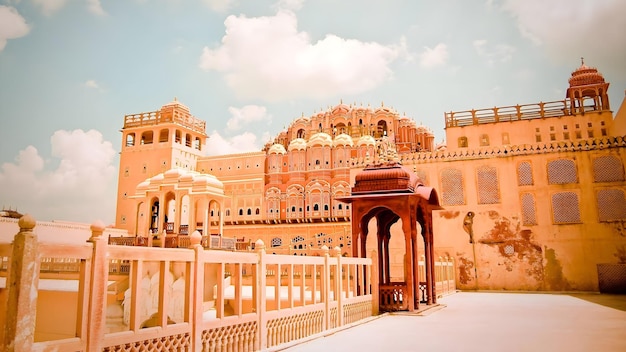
[207, 180]
[341, 108]
[343, 140]
[175, 103]
[322, 139]
[173, 173]
[366, 140]
[585, 75]
[157, 178]
[277, 149]
[297, 144]
[386, 178]
[144, 185]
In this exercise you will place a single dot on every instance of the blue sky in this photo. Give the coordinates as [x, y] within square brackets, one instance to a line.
[71, 69]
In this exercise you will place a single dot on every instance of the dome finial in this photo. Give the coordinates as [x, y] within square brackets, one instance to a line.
[582, 60]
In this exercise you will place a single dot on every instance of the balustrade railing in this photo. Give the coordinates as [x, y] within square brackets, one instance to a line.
[129, 298]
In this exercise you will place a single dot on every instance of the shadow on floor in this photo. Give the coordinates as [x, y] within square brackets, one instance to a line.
[608, 300]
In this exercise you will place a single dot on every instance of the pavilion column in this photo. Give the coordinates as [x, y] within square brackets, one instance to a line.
[381, 262]
[191, 219]
[221, 221]
[161, 215]
[408, 265]
[432, 261]
[178, 212]
[387, 265]
[415, 268]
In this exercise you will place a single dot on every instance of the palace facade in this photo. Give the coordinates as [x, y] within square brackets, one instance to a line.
[532, 196]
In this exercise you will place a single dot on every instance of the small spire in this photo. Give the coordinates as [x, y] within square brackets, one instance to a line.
[582, 60]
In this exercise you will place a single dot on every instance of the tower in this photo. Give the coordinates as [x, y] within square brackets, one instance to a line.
[587, 84]
[153, 142]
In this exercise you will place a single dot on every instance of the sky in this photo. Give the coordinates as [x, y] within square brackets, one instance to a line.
[71, 69]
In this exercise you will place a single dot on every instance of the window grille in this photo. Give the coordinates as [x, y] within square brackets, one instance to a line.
[611, 205]
[277, 242]
[562, 171]
[488, 187]
[607, 168]
[524, 174]
[528, 209]
[452, 187]
[565, 208]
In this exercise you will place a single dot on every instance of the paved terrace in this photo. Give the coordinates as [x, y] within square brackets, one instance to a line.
[477, 321]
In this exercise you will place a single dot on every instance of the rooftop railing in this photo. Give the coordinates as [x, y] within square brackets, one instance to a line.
[155, 118]
[508, 113]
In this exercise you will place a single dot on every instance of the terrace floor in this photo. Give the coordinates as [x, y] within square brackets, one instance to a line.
[488, 321]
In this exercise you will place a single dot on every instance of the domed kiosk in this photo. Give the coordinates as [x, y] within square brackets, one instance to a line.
[587, 84]
[389, 192]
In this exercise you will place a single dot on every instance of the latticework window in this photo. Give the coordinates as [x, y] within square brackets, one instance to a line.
[565, 208]
[562, 171]
[488, 186]
[524, 174]
[611, 205]
[528, 209]
[277, 242]
[452, 187]
[607, 168]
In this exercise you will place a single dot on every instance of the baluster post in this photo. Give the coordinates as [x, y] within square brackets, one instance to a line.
[261, 295]
[22, 285]
[97, 282]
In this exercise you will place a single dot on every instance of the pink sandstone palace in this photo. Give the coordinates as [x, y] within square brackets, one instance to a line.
[363, 211]
[544, 184]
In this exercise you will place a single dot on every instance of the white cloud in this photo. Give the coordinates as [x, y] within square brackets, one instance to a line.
[499, 53]
[246, 115]
[437, 56]
[49, 7]
[569, 29]
[267, 58]
[219, 5]
[80, 188]
[293, 5]
[242, 143]
[95, 7]
[91, 84]
[12, 25]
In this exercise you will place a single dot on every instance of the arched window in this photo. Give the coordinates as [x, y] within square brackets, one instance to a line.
[258, 211]
[249, 211]
[130, 139]
[340, 206]
[325, 207]
[164, 135]
[240, 211]
[227, 212]
[277, 242]
[316, 207]
[146, 137]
